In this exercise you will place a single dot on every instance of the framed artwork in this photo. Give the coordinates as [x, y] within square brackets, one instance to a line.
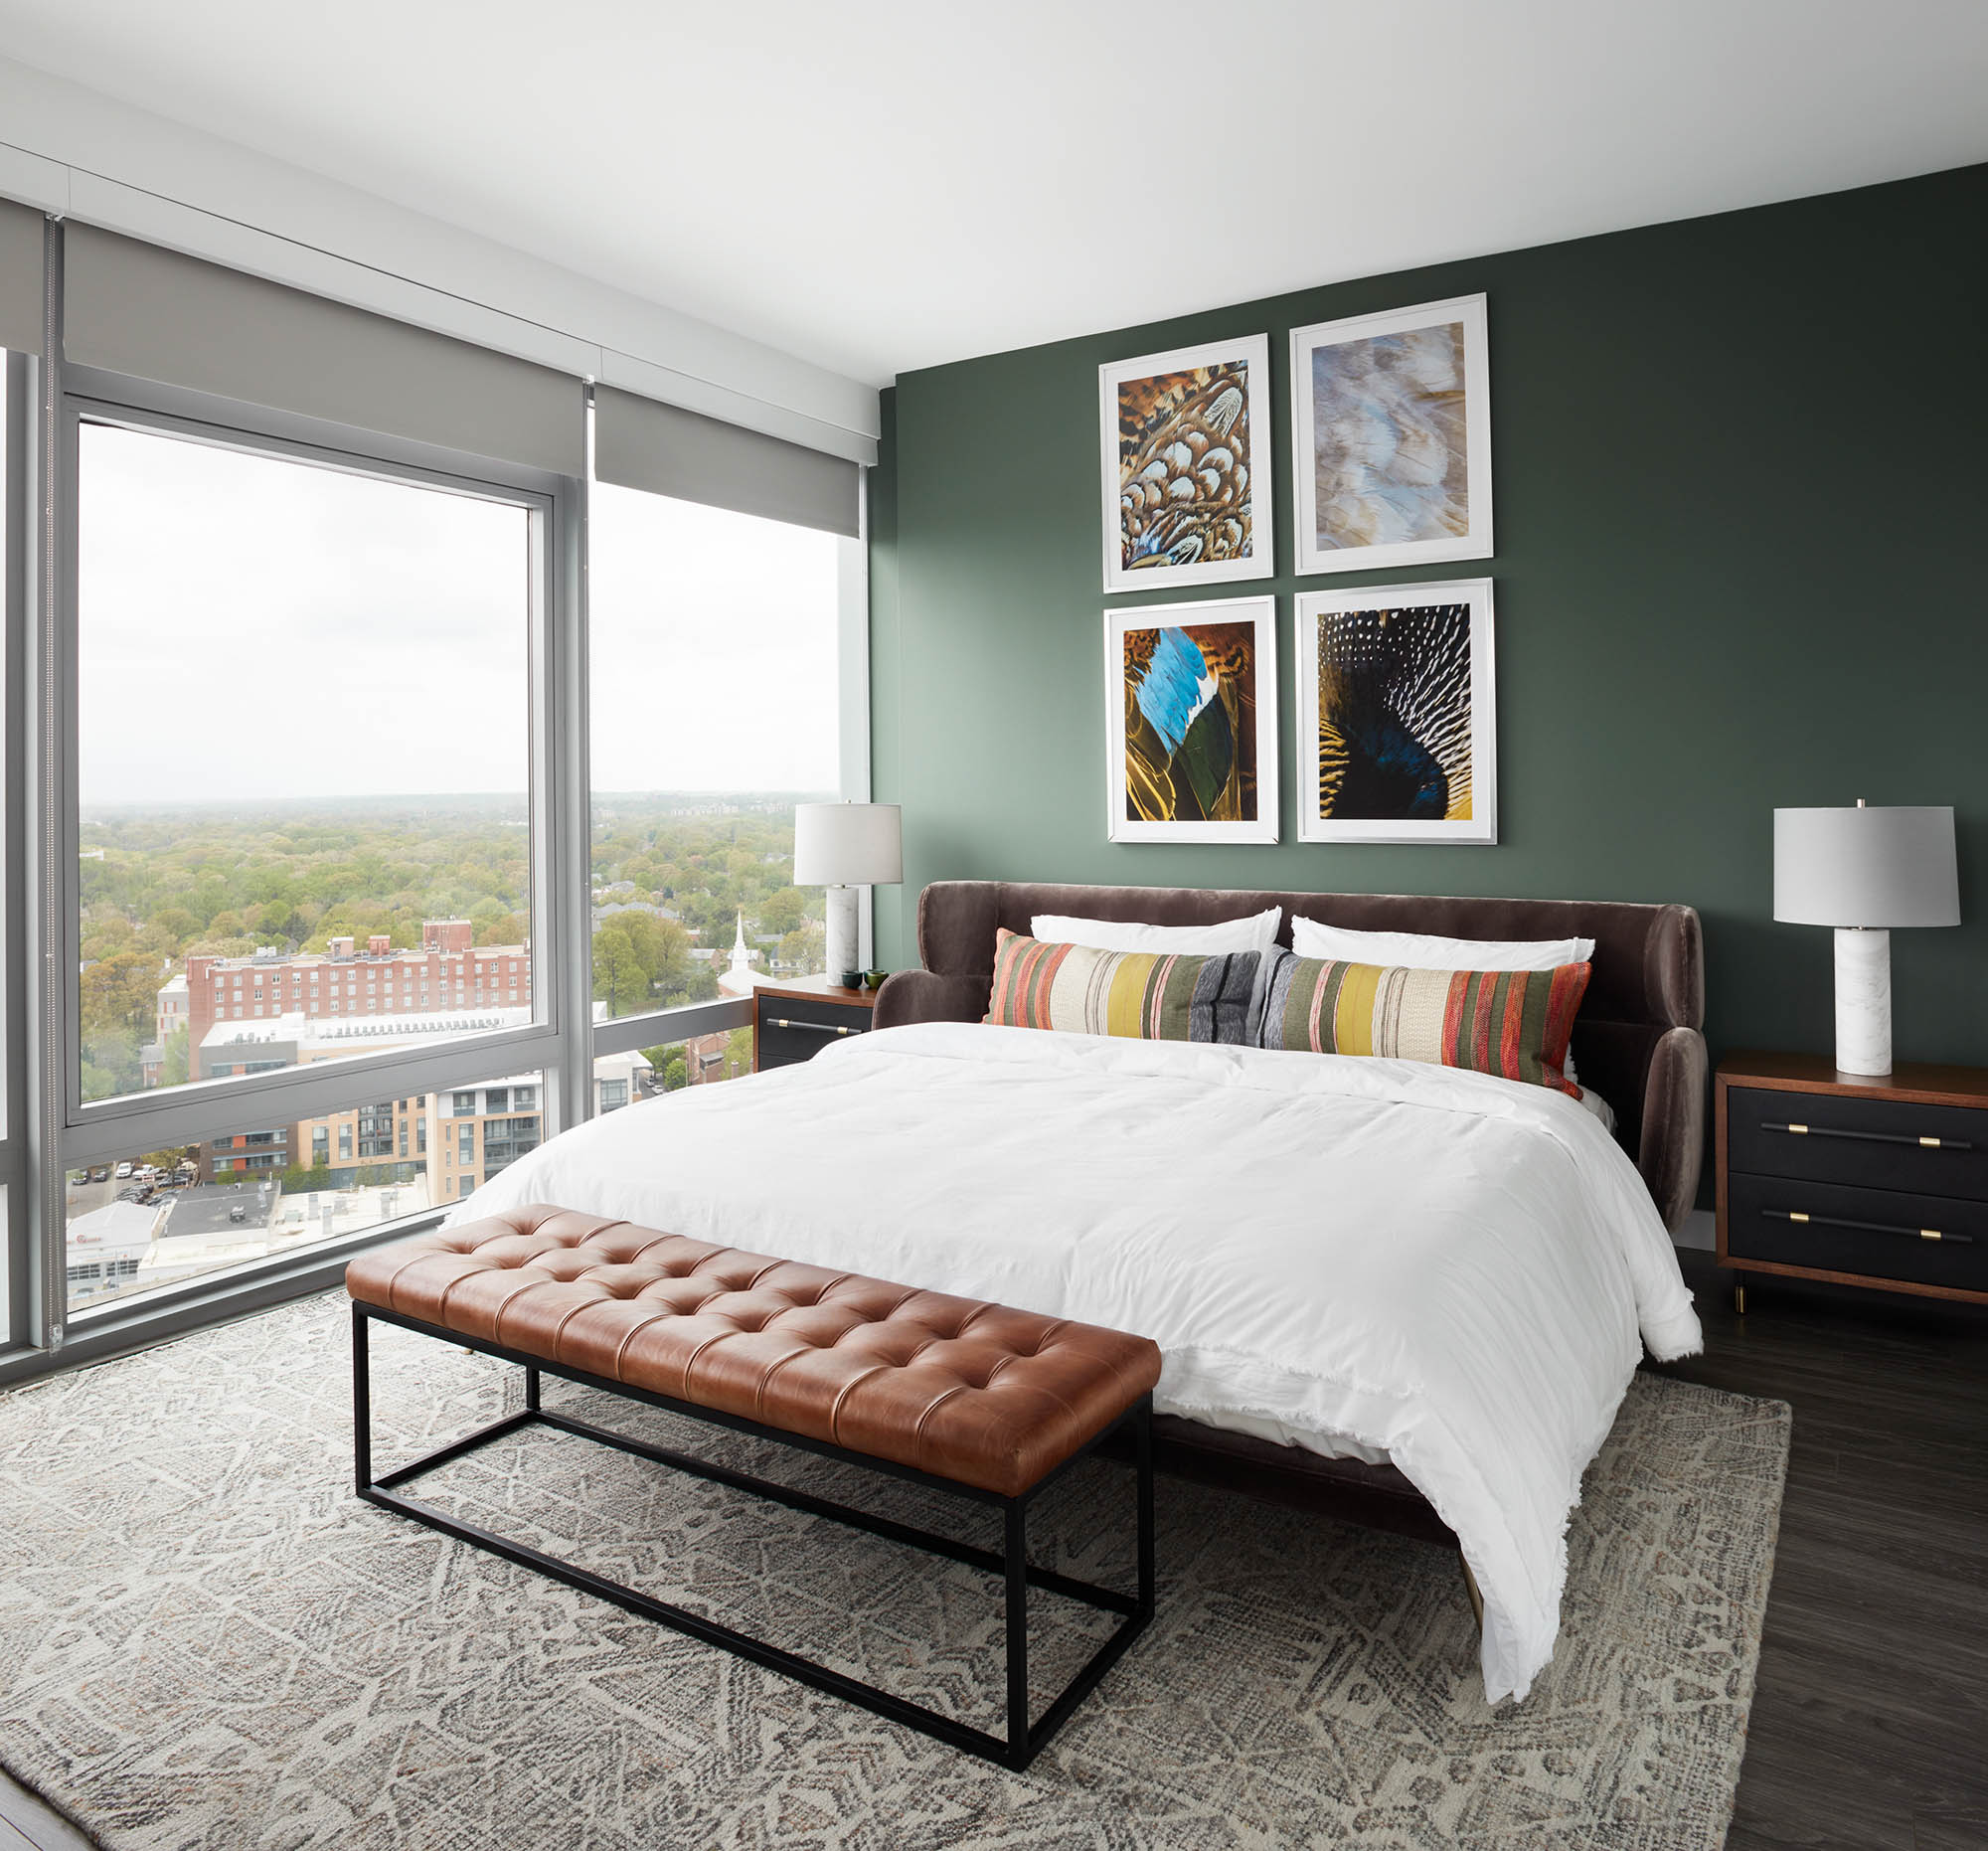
[1396, 714]
[1390, 437]
[1185, 439]
[1191, 698]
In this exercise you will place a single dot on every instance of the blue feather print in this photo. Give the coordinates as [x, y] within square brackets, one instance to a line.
[1176, 688]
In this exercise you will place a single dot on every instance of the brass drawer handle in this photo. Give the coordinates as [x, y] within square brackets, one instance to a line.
[818, 1028]
[1869, 1137]
[1866, 1226]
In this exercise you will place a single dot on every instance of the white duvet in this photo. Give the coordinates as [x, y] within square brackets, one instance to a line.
[1452, 1271]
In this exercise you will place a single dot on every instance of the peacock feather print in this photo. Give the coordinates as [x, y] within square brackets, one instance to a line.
[1393, 713]
[1191, 723]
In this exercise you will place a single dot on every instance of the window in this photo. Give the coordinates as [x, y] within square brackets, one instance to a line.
[692, 818]
[256, 832]
[126, 1239]
[505, 1140]
[279, 896]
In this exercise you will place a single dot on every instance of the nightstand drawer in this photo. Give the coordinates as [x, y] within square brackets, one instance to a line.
[1881, 1233]
[792, 1030]
[1939, 1150]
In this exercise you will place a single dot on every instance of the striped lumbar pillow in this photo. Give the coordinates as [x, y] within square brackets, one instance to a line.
[1513, 1023]
[1147, 995]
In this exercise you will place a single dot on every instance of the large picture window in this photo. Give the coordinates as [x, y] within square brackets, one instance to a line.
[302, 760]
[384, 793]
[308, 840]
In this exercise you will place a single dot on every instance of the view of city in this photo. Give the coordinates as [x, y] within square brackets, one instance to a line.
[368, 636]
[225, 943]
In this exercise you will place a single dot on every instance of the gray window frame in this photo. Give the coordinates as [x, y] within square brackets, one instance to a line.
[92, 1130]
[19, 1256]
[46, 1128]
[42, 882]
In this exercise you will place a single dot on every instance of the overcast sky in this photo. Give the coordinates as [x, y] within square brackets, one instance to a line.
[252, 629]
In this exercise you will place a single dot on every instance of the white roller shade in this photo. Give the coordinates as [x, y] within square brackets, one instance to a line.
[20, 277]
[134, 308]
[642, 444]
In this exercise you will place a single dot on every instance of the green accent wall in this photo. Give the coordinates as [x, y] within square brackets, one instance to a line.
[1740, 497]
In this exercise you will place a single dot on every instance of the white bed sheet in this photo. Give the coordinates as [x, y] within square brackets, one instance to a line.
[1449, 1271]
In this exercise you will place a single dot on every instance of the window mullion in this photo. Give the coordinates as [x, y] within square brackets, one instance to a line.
[46, 837]
[561, 724]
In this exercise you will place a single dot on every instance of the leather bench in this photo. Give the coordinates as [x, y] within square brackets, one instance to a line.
[974, 1399]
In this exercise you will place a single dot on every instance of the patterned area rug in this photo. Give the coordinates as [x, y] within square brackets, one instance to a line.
[205, 1640]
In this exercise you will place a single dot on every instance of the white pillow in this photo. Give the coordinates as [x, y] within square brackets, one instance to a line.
[1420, 951]
[1417, 950]
[1256, 933]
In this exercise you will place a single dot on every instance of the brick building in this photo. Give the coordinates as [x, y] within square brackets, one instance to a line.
[277, 1009]
[448, 972]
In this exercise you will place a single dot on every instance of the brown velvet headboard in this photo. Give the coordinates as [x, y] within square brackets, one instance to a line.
[1637, 1041]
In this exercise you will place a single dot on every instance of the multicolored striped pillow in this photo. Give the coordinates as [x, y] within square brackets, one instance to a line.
[1513, 1023]
[1147, 995]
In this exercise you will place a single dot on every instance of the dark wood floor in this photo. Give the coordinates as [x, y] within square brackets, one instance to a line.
[1869, 1727]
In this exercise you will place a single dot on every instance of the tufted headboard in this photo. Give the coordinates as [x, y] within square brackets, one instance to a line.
[1637, 1041]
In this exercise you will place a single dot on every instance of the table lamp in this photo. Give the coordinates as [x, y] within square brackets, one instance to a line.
[841, 847]
[1865, 871]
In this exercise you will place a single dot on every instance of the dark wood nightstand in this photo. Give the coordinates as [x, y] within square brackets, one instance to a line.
[795, 1021]
[1878, 1182]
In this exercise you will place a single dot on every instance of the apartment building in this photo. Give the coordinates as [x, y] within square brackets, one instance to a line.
[344, 980]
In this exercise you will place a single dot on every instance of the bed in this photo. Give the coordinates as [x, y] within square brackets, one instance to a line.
[1407, 1295]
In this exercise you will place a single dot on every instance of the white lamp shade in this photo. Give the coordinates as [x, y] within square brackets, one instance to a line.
[848, 845]
[1873, 867]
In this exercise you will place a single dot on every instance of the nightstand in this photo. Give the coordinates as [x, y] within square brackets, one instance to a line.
[795, 1021]
[1877, 1182]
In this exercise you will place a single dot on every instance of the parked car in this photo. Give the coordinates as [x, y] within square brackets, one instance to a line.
[123, 1170]
[101, 1174]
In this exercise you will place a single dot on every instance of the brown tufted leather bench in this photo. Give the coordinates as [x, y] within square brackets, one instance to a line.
[973, 1398]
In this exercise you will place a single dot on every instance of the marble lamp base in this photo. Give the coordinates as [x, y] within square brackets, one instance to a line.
[842, 940]
[1863, 1001]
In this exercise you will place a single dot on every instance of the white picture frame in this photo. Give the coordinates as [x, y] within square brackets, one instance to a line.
[1416, 693]
[1378, 444]
[1197, 508]
[1259, 715]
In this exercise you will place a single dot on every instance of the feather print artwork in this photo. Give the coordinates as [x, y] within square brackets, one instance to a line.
[1191, 723]
[1390, 454]
[1390, 437]
[1393, 713]
[1184, 467]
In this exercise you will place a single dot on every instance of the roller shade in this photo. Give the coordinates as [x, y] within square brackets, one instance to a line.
[640, 444]
[132, 308]
[20, 277]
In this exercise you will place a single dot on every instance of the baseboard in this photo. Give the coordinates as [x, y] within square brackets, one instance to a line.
[1700, 1233]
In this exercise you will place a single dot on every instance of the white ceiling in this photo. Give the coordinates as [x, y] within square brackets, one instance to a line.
[877, 186]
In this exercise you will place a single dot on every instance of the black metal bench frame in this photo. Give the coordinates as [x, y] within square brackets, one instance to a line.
[1023, 1740]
